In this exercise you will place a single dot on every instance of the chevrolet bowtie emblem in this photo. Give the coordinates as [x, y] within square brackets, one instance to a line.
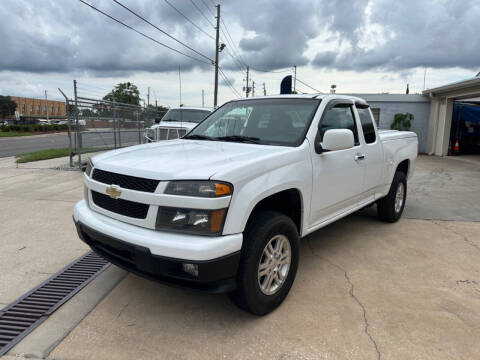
[113, 191]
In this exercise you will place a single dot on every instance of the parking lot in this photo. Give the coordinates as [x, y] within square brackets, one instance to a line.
[364, 289]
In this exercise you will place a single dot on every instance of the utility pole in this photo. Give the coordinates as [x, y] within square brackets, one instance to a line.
[295, 79]
[264, 90]
[180, 84]
[148, 97]
[253, 88]
[46, 104]
[203, 98]
[217, 50]
[424, 76]
[247, 90]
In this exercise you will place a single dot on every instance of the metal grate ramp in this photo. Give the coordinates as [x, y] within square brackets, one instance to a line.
[22, 316]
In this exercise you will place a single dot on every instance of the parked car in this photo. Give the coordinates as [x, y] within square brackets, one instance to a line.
[223, 208]
[3, 122]
[176, 123]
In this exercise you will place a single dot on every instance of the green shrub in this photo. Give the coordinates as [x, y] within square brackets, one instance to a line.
[33, 128]
[402, 122]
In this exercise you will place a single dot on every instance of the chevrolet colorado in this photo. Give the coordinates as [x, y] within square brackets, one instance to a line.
[223, 208]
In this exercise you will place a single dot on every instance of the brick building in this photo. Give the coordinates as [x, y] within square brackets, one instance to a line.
[32, 109]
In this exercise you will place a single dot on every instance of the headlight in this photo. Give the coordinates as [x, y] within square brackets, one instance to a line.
[88, 170]
[201, 222]
[199, 188]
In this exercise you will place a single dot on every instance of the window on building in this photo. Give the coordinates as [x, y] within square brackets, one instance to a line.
[51, 109]
[44, 109]
[23, 108]
[376, 115]
[38, 109]
[58, 110]
[31, 108]
[339, 117]
[367, 124]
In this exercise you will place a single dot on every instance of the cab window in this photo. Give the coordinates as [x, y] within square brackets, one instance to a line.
[339, 117]
[367, 124]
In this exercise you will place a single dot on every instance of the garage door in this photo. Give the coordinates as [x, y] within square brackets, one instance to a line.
[465, 131]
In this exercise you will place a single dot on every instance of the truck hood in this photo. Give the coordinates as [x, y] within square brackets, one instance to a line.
[190, 159]
[174, 124]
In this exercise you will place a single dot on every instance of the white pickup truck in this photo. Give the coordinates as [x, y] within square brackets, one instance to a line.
[176, 123]
[223, 208]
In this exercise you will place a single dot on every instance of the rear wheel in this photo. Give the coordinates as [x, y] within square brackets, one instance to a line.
[390, 208]
[269, 263]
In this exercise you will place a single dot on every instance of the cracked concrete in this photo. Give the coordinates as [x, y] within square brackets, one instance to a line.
[402, 302]
[412, 289]
[352, 294]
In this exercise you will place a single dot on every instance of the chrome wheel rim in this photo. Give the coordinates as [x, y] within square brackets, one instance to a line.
[399, 197]
[274, 264]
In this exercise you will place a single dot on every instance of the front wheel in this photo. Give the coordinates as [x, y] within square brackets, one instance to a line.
[390, 208]
[269, 263]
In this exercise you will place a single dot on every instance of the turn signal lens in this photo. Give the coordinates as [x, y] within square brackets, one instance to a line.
[216, 220]
[89, 168]
[222, 189]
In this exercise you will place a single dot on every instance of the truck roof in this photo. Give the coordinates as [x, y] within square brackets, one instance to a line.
[304, 96]
[190, 108]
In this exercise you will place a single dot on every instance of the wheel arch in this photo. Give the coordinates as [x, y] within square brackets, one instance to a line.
[288, 202]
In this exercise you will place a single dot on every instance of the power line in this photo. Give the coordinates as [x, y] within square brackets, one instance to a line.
[209, 10]
[229, 83]
[144, 35]
[302, 82]
[190, 21]
[231, 42]
[271, 71]
[236, 62]
[162, 31]
[201, 12]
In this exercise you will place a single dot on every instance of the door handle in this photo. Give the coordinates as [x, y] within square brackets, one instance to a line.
[359, 156]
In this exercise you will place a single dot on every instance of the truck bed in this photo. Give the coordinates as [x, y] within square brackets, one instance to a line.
[386, 135]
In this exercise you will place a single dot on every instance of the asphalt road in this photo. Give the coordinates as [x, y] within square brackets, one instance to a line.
[22, 144]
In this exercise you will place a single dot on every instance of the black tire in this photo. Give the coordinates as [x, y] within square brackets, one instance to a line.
[386, 206]
[260, 231]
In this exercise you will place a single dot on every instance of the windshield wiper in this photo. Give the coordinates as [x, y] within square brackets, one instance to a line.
[199, 137]
[239, 138]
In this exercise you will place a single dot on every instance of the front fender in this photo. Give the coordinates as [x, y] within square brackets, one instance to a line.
[249, 193]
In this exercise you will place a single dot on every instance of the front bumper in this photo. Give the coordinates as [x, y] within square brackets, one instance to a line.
[139, 251]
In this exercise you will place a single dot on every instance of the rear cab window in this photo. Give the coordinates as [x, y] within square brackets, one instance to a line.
[366, 121]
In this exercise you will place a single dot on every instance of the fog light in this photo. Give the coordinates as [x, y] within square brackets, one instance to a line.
[191, 269]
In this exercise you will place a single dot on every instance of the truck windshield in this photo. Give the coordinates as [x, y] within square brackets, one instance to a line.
[264, 121]
[178, 115]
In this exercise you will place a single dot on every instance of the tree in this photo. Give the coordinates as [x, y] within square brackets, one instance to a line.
[126, 93]
[7, 106]
[402, 121]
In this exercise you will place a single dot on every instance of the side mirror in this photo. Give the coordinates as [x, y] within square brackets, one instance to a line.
[157, 120]
[338, 139]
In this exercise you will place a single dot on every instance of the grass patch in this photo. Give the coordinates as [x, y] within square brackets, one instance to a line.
[52, 154]
[15, 133]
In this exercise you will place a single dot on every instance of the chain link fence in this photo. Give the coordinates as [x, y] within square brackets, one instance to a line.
[97, 124]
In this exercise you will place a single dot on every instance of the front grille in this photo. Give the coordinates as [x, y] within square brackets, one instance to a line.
[123, 207]
[125, 181]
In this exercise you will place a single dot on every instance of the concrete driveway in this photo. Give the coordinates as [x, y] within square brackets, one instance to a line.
[364, 290]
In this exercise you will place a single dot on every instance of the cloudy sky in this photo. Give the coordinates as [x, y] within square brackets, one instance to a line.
[362, 46]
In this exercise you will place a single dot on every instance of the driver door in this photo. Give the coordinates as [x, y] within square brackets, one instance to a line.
[337, 175]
